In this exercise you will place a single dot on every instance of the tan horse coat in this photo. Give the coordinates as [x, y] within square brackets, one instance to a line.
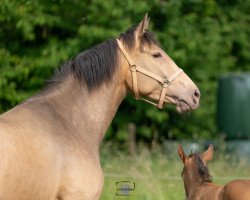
[49, 144]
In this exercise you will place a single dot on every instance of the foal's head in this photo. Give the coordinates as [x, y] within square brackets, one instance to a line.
[195, 169]
[144, 52]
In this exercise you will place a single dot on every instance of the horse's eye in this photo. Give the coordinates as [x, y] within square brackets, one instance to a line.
[156, 55]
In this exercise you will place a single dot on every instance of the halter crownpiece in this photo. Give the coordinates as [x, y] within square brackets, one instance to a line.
[134, 69]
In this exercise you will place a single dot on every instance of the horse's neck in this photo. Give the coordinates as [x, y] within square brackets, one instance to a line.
[200, 190]
[190, 187]
[87, 114]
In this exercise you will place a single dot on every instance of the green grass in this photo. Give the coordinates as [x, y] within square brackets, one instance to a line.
[156, 176]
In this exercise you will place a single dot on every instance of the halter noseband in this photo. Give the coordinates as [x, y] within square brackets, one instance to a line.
[164, 81]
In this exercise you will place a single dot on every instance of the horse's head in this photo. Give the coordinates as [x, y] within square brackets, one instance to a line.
[153, 74]
[195, 169]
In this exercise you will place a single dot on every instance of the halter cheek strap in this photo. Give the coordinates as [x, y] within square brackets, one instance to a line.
[164, 81]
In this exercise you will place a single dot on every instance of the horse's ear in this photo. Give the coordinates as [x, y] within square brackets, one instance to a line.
[141, 27]
[208, 154]
[181, 153]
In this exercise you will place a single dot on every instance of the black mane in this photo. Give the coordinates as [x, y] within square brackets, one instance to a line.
[93, 66]
[202, 169]
[147, 38]
[98, 64]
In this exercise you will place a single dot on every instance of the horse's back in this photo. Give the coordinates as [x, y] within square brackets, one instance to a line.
[236, 190]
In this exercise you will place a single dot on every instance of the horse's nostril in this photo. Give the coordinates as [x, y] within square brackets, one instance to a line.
[197, 94]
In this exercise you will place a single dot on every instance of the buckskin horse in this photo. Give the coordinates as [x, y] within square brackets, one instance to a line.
[198, 182]
[50, 142]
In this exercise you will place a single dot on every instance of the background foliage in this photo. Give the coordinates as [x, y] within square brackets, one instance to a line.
[205, 38]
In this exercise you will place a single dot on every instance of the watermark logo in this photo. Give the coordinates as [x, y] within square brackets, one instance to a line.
[124, 188]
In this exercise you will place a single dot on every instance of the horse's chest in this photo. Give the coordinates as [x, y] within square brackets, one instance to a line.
[82, 175]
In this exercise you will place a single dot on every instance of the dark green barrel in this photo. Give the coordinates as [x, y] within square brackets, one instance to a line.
[233, 106]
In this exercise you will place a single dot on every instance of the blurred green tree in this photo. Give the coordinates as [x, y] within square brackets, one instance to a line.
[205, 38]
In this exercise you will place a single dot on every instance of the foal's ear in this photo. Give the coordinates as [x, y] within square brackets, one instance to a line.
[181, 153]
[208, 154]
[141, 27]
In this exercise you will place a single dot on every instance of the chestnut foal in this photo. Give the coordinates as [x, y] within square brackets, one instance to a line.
[198, 182]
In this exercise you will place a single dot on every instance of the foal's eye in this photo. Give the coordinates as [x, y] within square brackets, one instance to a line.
[156, 55]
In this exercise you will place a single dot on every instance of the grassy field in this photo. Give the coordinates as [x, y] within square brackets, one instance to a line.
[157, 176]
